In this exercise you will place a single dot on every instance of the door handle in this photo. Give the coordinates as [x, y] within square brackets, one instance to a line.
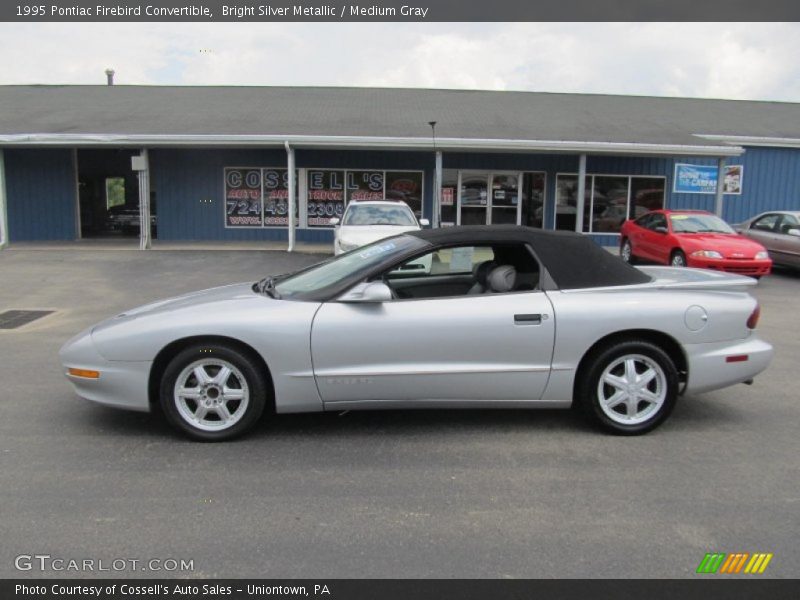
[528, 319]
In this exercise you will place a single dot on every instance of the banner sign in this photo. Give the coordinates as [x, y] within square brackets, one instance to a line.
[702, 179]
[243, 198]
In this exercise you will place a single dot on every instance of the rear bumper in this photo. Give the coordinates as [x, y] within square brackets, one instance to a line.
[710, 370]
[753, 268]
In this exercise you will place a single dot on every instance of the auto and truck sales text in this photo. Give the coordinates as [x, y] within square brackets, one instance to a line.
[237, 11]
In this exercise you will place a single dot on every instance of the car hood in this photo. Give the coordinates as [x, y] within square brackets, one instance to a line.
[366, 234]
[193, 299]
[726, 244]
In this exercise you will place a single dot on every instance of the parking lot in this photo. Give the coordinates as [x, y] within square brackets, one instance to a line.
[468, 494]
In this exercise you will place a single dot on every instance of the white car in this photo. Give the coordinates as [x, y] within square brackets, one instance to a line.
[370, 221]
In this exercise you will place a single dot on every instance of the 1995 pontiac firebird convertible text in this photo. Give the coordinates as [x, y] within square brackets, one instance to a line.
[498, 317]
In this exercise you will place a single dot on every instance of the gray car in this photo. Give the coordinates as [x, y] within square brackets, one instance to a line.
[507, 317]
[779, 232]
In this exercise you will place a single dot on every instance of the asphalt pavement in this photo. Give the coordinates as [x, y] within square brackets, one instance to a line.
[469, 494]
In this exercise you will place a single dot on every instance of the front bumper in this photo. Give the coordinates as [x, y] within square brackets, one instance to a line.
[751, 267]
[709, 369]
[122, 384]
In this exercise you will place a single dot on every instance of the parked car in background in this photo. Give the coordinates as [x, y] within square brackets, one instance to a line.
[125, 218]
[364, 222]
[692, 238]
[779, 232]
[513, 317]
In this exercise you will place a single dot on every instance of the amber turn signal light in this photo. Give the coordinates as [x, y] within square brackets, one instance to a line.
[85, 373]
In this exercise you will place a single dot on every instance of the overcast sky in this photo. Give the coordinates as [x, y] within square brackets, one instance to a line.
[718, 60]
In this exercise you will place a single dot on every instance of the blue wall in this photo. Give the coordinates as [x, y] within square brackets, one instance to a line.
[189, 185]
[40, 193]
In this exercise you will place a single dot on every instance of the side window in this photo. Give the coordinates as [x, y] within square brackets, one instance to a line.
[658, 220]
[765, 223]
[465, 270]
[788, 222]
[644, 221]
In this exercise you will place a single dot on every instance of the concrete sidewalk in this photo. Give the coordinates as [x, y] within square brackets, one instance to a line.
[133, 244]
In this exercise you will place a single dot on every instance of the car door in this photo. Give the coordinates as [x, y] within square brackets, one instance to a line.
[763, 230]
[469, 350]
[785, 248]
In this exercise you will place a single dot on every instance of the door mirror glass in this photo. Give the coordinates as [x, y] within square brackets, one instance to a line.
[334, 221]
[660, 229]
[794, 232]
[371, 292]
[424, 222]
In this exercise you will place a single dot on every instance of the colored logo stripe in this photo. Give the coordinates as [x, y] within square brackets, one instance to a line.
[714, 562]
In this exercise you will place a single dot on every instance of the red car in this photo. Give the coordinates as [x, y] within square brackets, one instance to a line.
[692, 238]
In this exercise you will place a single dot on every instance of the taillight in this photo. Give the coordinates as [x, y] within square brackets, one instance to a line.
[752, 321]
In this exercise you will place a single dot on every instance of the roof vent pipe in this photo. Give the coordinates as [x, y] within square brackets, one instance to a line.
[110, 76]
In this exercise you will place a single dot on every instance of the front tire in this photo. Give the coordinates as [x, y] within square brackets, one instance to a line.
[629, 388]
[213, 392]
[677, 259]
[626, 253]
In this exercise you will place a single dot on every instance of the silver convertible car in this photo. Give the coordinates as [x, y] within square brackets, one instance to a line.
[506, 317]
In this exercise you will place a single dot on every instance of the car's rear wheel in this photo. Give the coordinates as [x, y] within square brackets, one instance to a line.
[213, 392]
[678, 259]
[629, 388]
[626, 252]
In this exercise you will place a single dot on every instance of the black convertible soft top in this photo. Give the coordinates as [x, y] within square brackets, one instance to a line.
[573, 260]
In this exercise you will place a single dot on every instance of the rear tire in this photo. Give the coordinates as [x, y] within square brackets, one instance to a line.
[213, 392]
[677, 259]
[628, 388]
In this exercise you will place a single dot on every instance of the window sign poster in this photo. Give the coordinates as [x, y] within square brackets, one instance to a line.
[732, 183]
[405, 186]
[325, 197]
[364, 185]
[243, 206]
[276, 198]
[695, 179]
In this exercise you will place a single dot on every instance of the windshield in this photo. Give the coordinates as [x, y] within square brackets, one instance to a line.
[365, 214]
[686, 223]
[347, 267]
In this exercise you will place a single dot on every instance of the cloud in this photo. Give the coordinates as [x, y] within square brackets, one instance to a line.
[723, 60]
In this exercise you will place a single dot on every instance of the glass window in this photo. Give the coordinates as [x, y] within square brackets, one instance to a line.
[505, 198]
[474, 197]
[658, 220]
[609, 208]
[115, 191]
[698, 223]
[533, 185]
[405, 186]
[566, 200]
[276, 197]
[789, 222]
[325, 197]
[373, 214]
[647, 193]
[766, 223]
[448, 203]
[364, 185]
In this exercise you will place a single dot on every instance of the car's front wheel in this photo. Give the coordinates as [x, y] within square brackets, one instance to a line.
[678, 259]
[626, 252]
[629, 387]
[213, 392]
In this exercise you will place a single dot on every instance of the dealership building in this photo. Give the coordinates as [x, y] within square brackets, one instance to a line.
[277, 163]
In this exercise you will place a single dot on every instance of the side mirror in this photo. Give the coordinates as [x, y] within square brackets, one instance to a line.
[794, 232]
[424, 222]
[661, 229]
[370, 293]
[334, 221]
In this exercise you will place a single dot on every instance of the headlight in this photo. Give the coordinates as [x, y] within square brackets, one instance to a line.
[763, 255]
[706, 254]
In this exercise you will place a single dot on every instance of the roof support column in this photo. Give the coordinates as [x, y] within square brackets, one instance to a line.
[579, 201]
[720, 187]
[3, 212]
[141, 164]
[292, 200]
[436, 217]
